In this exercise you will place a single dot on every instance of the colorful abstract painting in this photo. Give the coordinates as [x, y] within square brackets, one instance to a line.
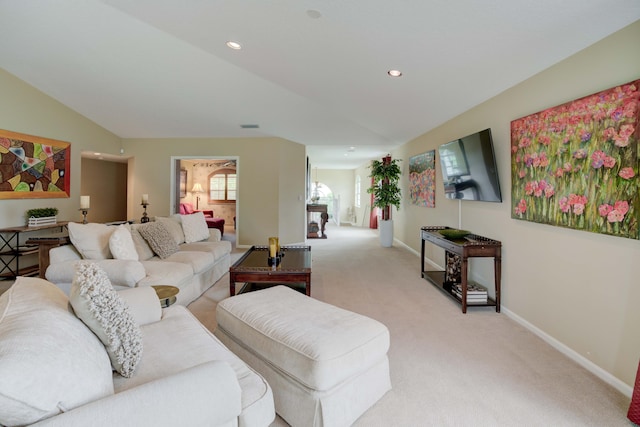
[422, 179]
[576, 165]
[32, 167]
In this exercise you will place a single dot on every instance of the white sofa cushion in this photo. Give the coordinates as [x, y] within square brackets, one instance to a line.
[195, 227]
[217, 249]
[179, 342]
[121, 244]
[143, 304]
[159, 239]
[198, 261]
[98, 305]
[50, 362]
[91, 240]
[166, 273]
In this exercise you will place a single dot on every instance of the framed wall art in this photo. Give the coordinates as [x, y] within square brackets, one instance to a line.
[422, 179]
[32, 167]
[576, 165]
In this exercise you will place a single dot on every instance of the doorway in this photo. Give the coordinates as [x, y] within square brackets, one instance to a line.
[104, 180]
[208, 183]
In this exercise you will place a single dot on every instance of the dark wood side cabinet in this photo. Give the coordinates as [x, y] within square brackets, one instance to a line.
[458, 251]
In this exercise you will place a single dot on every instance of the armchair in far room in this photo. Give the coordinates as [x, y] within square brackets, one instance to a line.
[187, 209]
[212, 222]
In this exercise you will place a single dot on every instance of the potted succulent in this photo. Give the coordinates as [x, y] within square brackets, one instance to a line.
[386, 193]
[41, 216]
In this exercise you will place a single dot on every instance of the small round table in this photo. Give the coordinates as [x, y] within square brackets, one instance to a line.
[166, 294]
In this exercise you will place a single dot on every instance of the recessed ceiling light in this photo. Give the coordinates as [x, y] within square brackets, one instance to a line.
[314, 14]
[234, 45]
[394, 73]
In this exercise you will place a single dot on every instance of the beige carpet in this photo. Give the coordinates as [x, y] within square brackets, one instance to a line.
[447, 368]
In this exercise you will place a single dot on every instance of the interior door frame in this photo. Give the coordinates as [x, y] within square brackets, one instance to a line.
[174, 199]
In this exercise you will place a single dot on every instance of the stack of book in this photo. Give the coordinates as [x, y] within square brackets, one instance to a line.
[476, 294]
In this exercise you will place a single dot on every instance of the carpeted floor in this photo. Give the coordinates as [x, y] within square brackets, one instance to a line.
[447, 368]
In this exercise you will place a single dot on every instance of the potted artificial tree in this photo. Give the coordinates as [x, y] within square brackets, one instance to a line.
[386, 193]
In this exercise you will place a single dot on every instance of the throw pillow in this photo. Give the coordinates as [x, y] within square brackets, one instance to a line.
[50, 362]
[173, 226]
[194, 227]
[159, 238]
[91, 240]
[142, 247]
[98, 305]
[121, 244]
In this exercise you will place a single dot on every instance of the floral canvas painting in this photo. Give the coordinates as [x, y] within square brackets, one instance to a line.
[576, 165]
[32, 167]
[422, 179]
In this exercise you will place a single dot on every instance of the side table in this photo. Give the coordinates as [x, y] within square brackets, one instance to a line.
[166, 294]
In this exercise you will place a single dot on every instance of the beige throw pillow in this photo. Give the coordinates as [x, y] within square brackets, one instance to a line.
[159, 238]
[195, 227]
[142, 247]
[98, 305]
[121, 244]
[91, 240]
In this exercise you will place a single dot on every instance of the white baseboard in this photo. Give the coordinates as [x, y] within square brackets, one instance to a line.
[596, 370]
[573, 355]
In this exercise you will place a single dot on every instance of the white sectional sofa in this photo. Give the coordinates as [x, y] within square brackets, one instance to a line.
[179, 251]
[56, 369]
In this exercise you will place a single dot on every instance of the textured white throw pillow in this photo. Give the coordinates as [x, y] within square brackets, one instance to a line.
[98, 305]
[121, 244]
[194, 227]
[159, 239]
[91, 240]
[50, 362]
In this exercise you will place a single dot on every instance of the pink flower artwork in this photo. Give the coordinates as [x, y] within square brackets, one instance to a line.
[575, 165]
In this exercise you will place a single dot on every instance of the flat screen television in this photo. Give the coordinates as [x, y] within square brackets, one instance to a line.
[469, 168]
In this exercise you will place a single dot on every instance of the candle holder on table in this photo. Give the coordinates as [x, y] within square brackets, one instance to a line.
[275, 254]
[84, 211]
[145, 217]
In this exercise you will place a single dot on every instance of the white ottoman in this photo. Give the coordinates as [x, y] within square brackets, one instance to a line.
[326, 365]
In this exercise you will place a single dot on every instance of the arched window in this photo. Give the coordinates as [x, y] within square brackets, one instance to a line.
[222, 186]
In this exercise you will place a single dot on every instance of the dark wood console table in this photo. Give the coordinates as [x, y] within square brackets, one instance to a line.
[12, 249]
[459, 250]
[324, 217]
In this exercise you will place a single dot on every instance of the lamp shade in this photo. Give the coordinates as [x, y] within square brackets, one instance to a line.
[197, 188]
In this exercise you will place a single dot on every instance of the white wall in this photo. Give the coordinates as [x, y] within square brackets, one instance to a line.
[270, 179]
[26, 110]
[577, 287]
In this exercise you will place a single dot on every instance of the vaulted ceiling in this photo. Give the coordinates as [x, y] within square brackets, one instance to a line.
[310, 71]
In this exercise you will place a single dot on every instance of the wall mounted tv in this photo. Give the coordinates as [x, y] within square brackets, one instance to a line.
[469, 168]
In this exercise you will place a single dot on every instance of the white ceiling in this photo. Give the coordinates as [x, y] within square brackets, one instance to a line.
[311, 71]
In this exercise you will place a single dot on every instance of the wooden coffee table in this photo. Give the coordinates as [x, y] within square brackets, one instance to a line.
[253, 268]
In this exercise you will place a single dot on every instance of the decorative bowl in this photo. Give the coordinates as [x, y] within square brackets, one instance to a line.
[453, 233]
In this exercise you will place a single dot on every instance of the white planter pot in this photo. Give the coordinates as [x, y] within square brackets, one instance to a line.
[386, 233]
